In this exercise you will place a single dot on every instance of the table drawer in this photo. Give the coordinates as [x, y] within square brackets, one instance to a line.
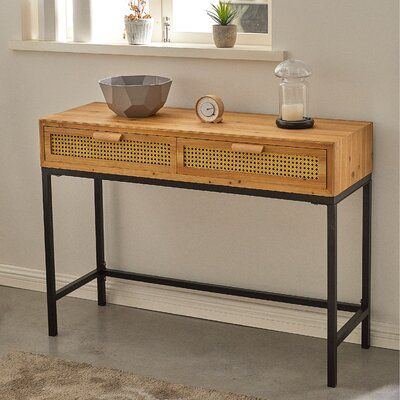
[252, 162]
[110, 149]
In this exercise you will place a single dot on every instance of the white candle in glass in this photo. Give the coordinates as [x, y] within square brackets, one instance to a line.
[292, 112]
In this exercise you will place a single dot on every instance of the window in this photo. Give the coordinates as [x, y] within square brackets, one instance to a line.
[189, 21]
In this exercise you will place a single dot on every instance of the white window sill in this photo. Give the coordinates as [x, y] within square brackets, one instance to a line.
[183, 50]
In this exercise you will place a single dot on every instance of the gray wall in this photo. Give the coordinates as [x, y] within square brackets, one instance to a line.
[353, 49]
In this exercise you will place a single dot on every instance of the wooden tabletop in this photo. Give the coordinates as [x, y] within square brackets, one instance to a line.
[235, 125]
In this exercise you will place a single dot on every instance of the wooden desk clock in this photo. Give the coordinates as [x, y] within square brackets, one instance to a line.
[246, 154]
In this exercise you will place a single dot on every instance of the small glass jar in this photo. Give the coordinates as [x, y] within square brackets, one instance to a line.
[293, 95]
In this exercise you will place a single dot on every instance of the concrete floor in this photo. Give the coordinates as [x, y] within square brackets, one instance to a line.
[268, 364]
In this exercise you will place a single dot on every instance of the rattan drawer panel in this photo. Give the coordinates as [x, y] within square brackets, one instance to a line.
[273, 164]
[143, 152]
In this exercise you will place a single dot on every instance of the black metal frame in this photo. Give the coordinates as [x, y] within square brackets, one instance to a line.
[361, 311]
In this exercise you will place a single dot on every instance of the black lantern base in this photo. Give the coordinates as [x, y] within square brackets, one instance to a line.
[305, 123]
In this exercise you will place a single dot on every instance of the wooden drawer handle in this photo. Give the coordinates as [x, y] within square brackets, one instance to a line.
[107, 136]
[247, 148]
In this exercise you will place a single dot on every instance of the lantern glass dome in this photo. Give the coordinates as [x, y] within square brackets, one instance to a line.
[293, 69]
[293, 94]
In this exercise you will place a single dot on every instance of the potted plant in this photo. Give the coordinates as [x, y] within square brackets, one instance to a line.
[224, 32]
[139, 24]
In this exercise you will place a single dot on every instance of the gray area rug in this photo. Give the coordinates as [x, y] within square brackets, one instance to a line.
[25, 376]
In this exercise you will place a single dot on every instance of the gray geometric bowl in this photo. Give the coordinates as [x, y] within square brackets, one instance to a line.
[135, 96]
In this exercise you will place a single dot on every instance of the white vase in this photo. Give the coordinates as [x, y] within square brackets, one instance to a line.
[139, 31]
[82, 20]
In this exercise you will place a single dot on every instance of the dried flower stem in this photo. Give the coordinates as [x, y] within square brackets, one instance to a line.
[139, 10]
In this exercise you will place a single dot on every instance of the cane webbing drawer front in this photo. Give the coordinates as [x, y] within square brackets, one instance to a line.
[253, 162]
[269, 163]
[142, 152]
[118, 150]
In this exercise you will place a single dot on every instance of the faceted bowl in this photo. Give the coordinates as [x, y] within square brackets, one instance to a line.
[135, 96]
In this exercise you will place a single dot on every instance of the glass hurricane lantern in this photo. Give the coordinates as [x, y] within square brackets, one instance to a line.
[293, 95]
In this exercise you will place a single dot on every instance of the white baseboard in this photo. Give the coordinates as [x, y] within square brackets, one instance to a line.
[259, 314]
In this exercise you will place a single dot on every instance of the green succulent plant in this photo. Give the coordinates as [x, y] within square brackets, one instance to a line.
[223, 13]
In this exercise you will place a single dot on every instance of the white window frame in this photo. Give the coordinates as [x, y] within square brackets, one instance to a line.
[39, 23]
[155, 9]
[160, 9]
[38, 19]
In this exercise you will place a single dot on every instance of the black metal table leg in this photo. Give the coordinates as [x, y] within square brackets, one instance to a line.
[332, 295]
[49, 250]
[100, 258]
[366, 265]
[361, 311]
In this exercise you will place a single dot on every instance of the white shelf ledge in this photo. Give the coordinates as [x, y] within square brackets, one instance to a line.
[183, 50]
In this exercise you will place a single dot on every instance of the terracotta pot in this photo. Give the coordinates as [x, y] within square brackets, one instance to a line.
[224, 35]
[139, 31]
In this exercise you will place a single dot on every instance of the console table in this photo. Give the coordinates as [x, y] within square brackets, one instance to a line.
[246, 154]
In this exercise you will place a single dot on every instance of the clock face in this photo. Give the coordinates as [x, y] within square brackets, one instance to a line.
[209, 109]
